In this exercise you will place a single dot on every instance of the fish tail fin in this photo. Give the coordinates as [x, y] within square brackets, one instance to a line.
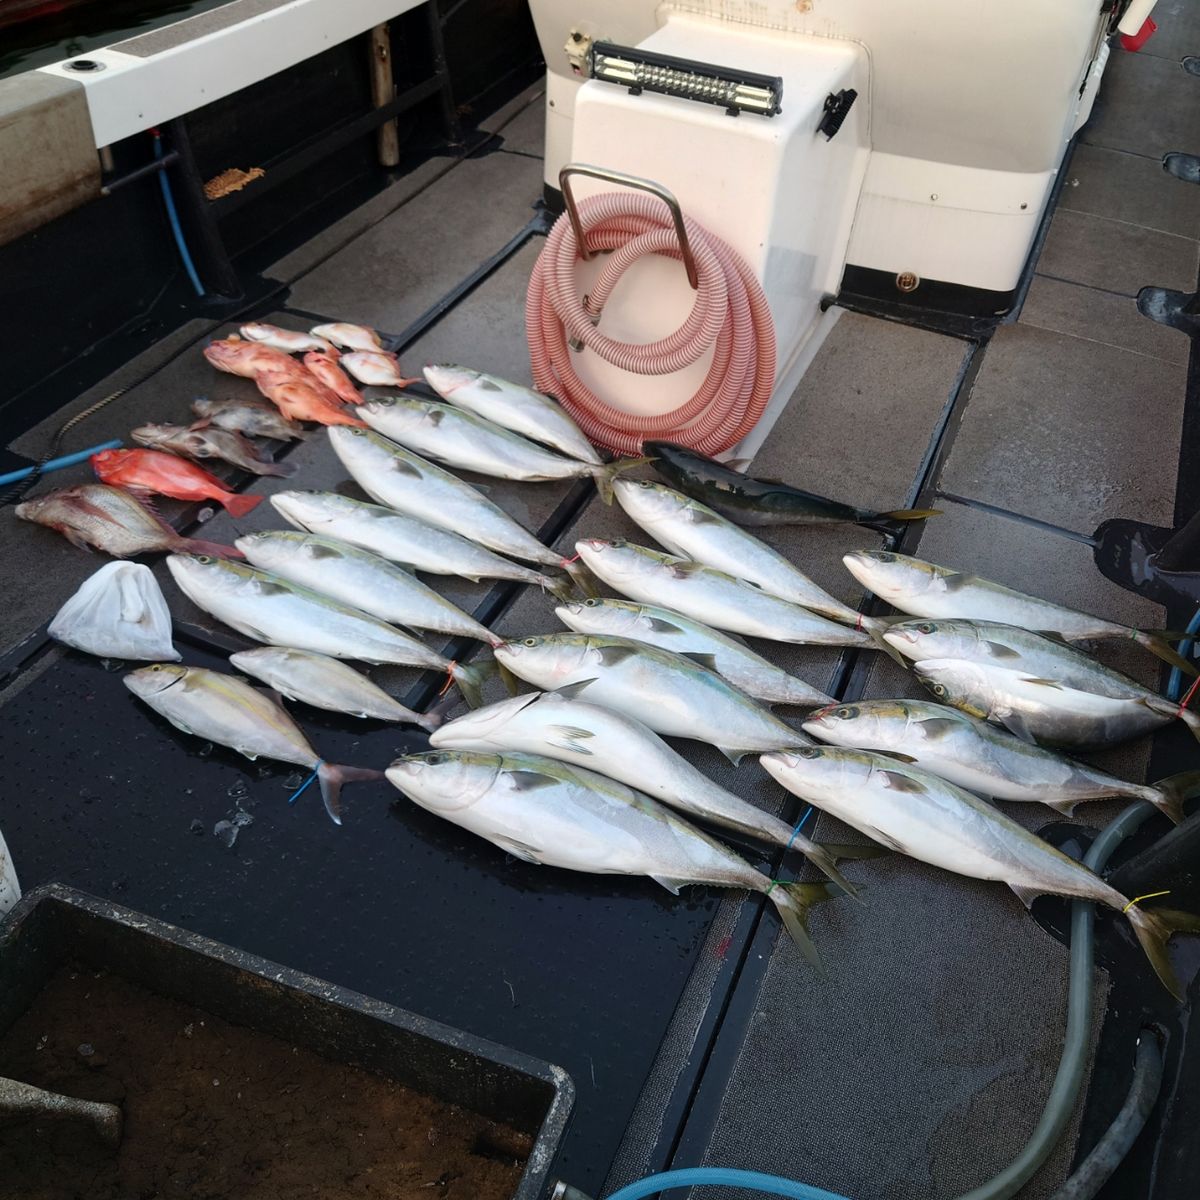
[604, 475]
[1153, 929]
[200, 546]
[280, 470]
[238, 505]
[793, 901]
[911, 514]
[583, 579]
[1192, 721]
[828, 856]
[470, 681]
[875, 629]
[561, 587]
[437, 713]
[332, 777]
[1155, 640]
[1170, 793]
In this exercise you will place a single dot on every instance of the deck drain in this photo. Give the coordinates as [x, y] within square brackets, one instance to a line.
[85, 65]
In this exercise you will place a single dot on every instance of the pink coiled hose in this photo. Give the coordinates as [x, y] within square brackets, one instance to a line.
[730, 310]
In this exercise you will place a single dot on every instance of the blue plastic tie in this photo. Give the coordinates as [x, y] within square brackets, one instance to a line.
[307, 783]
[799, 826]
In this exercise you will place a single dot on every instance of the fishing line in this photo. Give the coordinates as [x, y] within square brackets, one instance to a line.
[307, 783]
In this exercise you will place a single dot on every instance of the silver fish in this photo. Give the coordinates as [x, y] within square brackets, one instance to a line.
[287, 340]
[926, 590]
[324, 682]
[227, 710]
[467, 442]
[983, 759]
[406, 482]
[404, 539]
[254, 418]
[670, 694]
[620, 748]
[1039, 660]
[710, 596]
[109, 519]
[1037, 709]
[375, 368]
[349, 337]
[269, 609]
[211, 442]
[694, 531]
[542, 811]
[918, 814]
[10, 887]
[518, 408]
[670, 630]
[360, 579]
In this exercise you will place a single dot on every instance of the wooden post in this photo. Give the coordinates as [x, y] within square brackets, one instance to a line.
[383, 91]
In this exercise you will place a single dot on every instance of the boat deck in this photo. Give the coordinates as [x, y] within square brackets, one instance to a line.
[692, 1029]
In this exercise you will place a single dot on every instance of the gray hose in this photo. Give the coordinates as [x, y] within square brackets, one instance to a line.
[1109, 1152]
[1069, 1079]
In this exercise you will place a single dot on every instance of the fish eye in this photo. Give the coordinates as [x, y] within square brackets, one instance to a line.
[939, 689]
[529, 642]
[591, 602]
[926, 627]
[435, 760]
[357, 432]
[156, 667]
[808, 752]
[885, 556]
[845, 713]
[204, 558]
[645, 483]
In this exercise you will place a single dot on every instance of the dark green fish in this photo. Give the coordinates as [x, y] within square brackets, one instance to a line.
[751, 501]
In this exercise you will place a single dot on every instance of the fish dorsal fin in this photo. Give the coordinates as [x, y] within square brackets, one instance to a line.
[933, 728]
[897, 755]
[672, 885]
[1026, 895]
[658, 625]
[1014, 722]
[528, 780]
[517, 849]
[1000, 650]
[610, 656]
[568, 737]
[707, 661]
[403, 467]
[957, 581]
[900, 782]
[572, 691]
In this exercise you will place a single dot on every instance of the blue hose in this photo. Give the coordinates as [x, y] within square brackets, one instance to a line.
[754, 1181]
[55, 464]
[173, 217]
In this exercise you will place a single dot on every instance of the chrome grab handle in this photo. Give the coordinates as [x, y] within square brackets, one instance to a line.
[631, 181]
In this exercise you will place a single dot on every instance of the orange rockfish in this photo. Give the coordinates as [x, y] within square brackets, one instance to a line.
[304, 399]
[168, 475]
[248, 359]
[324, 365]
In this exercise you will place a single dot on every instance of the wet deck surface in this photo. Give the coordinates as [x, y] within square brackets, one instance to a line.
[692, 1029]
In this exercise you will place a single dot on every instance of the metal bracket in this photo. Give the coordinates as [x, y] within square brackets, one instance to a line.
[620, 179]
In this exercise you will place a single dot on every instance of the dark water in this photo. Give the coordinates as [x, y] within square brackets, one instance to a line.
[87, 27]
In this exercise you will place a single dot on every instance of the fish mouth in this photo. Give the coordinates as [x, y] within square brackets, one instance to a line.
[899, 638]
[592, 544]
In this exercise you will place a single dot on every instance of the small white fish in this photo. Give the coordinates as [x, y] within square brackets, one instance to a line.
[287, 340]
[227, 710]
[324, 682]
[349, 337]
[10, 889]
[518, 408]
[376, 368]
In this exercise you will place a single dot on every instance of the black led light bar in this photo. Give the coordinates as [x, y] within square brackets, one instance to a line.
[642, 71]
